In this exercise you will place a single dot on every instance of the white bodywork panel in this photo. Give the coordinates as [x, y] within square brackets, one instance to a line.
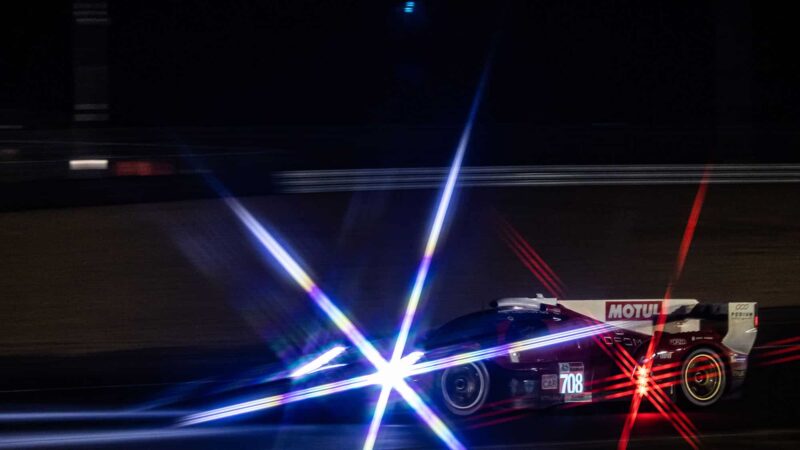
[742, 329]
[633, 315]
[637, 315]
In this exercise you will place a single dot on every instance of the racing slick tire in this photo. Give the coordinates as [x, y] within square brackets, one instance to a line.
[703, 378]
[463, 389]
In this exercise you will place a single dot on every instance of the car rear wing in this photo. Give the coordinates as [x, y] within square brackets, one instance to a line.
[742, 326]
[738, 321]
[741, 319]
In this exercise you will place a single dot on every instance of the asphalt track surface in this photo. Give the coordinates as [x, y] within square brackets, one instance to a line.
[115, 305]
[764, 416]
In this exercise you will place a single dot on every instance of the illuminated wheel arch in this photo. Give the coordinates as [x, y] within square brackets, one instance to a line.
[703, 377]
[463, 389]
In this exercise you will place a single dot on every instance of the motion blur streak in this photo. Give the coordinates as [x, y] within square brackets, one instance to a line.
[346, 180]
[88, 164]
[425, 263]
[686, 242]
[342, 322]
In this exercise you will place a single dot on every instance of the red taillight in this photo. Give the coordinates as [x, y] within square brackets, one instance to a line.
[143, 168]
[755, 321]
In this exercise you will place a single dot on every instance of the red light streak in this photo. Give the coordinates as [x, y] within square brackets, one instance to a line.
[620, 394]
[676, 417]
[648, 383]
[683, 252]
[143, 168]
[547, 270]
[691, 225]
[779, 351]
[781, 342]
[779, 361]
[686, 434]
[531, 260]
[768, 357]
[621, 376]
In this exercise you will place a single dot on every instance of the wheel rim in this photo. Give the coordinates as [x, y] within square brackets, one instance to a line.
[702, 377]
[462, 386]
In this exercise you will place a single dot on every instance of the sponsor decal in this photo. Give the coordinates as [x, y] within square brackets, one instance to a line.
[632, 310]
[571, 382]
[742, 311]
[549, 381]
[677, 342]
[624, 340]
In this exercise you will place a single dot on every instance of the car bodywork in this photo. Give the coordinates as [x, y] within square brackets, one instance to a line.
[702, 345]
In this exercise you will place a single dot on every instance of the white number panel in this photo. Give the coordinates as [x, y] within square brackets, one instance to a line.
[571, 382]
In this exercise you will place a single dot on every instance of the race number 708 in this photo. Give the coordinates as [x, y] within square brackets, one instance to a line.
[571, 383]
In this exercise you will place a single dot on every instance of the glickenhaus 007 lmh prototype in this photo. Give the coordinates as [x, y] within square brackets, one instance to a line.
[701, 356]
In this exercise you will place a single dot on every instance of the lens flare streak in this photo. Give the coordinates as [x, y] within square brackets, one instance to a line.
[531, 259]
[519, 346]
[341, 321]
[425, 263]
[280, 399]
[408, 368]
[653, 390]
[683, 251]
[317, 363]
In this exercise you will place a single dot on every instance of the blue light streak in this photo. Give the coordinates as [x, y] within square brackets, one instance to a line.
[385, 370]
[408, 367]
[389, 374]
[425, 263]
[317, 363]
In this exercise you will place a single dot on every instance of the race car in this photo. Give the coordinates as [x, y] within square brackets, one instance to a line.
[701, 354]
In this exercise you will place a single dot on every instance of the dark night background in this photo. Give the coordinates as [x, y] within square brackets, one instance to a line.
[676, 66]
[264, 86]
[110, 277]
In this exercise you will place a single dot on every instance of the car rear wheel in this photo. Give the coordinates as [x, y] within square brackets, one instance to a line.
[463, 389]
[702, 377]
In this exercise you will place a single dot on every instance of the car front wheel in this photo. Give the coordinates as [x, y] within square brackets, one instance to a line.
[464, 389]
